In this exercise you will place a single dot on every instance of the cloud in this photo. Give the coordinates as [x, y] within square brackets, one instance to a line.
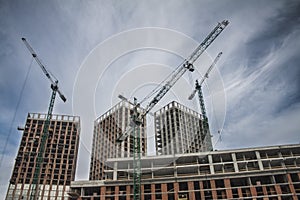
[259, 65]
[263, 91]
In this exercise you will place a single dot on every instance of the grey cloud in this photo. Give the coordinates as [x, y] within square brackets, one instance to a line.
[259, 65]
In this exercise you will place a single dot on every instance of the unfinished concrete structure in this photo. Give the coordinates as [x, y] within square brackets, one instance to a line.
[106, 130]
[179, 129]
[60, 158]
[252, 173]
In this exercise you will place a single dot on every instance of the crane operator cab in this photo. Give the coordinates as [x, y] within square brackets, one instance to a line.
[189, 66]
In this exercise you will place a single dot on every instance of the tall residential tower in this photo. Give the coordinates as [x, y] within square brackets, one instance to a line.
[179, 129]
[60, 157]
[106, 130]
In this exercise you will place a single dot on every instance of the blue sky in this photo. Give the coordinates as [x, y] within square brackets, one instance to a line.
[255, 85]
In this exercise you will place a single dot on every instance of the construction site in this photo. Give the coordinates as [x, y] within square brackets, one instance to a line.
[250, 173]
[184, 167]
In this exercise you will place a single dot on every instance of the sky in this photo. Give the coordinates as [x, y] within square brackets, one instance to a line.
[99, 49]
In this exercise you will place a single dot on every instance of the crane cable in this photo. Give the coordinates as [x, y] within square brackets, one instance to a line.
[15, 113]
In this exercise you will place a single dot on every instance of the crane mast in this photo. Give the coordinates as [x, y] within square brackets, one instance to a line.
[40, 156]
[137, 117]
[198, 88]
[205, 76]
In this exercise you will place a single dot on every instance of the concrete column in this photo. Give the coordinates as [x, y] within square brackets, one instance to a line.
[152, 191]
[291, 186]
[213, 189]
[82, 192]
[175, 171]
[176, 189]
[235, 165]
[152, 171]
[142, 192]
[278, 191]
[102, 193]
[191, 190]
[115, 173]
[228, 188]
[128, 192]
[253, 192]
[240, 192]
[202, 190]
[265, 192]
[210, 160]
[164, 191]
[272, 190]
[260, 165]
[117, 192]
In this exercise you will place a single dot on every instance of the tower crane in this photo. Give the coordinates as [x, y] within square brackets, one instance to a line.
[40, 156]
[137, 117]
[198, 88]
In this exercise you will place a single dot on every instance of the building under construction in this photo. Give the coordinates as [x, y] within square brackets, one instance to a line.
[250, 173]
[59, 163]
[179, 130]
[136, 141]
[106, 130]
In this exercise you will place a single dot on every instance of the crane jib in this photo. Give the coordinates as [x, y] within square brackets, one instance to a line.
[182, 68]
[187, 64]
[207, 41]
[34, 190]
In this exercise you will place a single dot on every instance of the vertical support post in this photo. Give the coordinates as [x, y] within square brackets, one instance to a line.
[202, 190]
[191, 190]
[128, 192]
[228, 188]
[115, 173]
[206, 133]
[164, 191]
[137, 122]
[291, 186]
[260, 165]
[253, 191]
[102, 193]
[142, 192]
[153, 191]
[117, 192]
[240, 193]
[236, 167]
[213, 189]
[176, 190]
[211, 166]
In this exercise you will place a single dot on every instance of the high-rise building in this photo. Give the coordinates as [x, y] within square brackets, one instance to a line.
[179, 129]
[60, 157]
[106, 130]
